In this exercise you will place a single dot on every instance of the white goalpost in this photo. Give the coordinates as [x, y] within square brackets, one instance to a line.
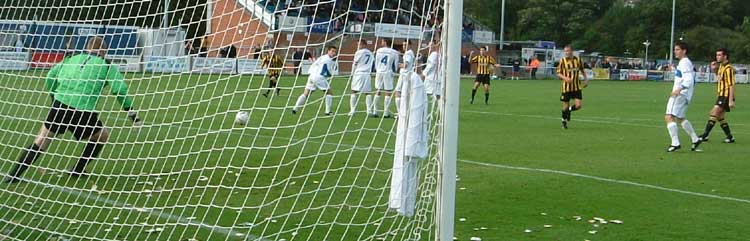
[228, 119]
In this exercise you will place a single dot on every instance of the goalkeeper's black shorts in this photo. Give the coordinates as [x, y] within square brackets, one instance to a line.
[82, 124]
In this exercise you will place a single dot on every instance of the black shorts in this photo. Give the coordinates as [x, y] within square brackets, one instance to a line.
[565, 97]
[63, 118]
[723, 102]
[483, 78]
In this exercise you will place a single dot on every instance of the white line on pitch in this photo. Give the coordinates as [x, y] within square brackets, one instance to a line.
[712, 196]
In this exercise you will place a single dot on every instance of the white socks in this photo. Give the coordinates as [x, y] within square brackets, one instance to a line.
[398, 104]
[673, 132]
[375, 104]
[690, 130]
[329, 102]
[300, 101]
[352, 103]
[368, 103]
[386, 106]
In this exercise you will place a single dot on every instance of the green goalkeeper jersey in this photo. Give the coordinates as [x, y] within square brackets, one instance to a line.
[78, 82]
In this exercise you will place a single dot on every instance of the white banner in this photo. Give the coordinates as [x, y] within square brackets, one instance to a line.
[742, 78]
[483, 37]
[305, 66]
[171, 64]
[386, 30]
[14, 61]
[249, 66]
[126, 63]
[214, 65]
[702, 77]
[293, 24]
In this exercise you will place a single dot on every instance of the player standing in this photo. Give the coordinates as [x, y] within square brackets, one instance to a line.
[407, 69]
[77, 84]
[484, 70]
[275, 65]
[386, 60]
[682, 92]
[725, 100]
[433, 73]
[362, 66]
[569, 71]
[318, 72]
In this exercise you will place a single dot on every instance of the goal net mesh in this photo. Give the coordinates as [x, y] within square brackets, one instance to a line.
[191, 172]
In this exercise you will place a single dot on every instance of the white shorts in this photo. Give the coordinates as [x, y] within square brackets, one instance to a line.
[316, 83]
[384, 81]
[432, 85]
[361, 83]
[677, 106]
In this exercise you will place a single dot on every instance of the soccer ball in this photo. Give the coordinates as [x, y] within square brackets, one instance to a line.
[241, 118]
[494, 77]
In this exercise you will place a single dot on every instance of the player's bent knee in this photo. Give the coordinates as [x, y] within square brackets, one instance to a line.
[101, 136]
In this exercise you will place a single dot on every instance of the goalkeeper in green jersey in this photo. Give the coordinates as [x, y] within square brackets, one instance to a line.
[75, 86]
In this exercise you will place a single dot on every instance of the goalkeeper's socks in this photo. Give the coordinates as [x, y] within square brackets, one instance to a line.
[91, 151]
[27, 157]
[329, 103]
[486, 98]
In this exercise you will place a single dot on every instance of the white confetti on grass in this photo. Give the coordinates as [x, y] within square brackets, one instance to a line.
[547, 226]
[527, 231]
[203, 178]
[593, 232]
[476, 239]
[462, 219]
[616, 221]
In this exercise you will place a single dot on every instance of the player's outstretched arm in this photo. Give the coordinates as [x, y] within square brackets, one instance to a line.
[119, 88]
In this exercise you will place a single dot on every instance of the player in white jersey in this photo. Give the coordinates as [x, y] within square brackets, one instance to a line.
[386, 60]
[433, 73]
[362, 69]
[682, 92]
[407, 69]
[319, 70]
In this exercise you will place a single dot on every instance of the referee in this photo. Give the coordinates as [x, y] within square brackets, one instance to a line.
[76, 85]
[484, 69]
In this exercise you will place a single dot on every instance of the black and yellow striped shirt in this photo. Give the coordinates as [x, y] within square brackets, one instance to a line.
[726, 79]
[571, 68]
[484, 64]
[274, 63]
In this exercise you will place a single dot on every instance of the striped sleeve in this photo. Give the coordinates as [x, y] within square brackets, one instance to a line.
[730, 72]
[560, 66]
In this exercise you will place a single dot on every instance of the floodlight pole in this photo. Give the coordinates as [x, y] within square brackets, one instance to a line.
[671, 40]
[645, 62]
[502, 24]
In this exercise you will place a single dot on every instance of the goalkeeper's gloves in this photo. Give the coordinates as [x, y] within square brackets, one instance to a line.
[133, 115]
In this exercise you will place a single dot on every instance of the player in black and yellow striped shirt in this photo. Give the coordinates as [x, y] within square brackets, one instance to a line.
[484, 70]
[569, 70]
[275, 65]
[725, 92]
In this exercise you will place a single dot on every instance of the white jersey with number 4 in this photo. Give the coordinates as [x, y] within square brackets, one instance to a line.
[386, 60]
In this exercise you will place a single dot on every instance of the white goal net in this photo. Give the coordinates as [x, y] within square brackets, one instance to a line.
[224, 120]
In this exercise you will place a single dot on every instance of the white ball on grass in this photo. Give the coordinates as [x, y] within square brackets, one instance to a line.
[241, 118]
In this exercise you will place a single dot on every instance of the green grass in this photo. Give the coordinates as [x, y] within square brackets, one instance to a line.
[337, 190]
